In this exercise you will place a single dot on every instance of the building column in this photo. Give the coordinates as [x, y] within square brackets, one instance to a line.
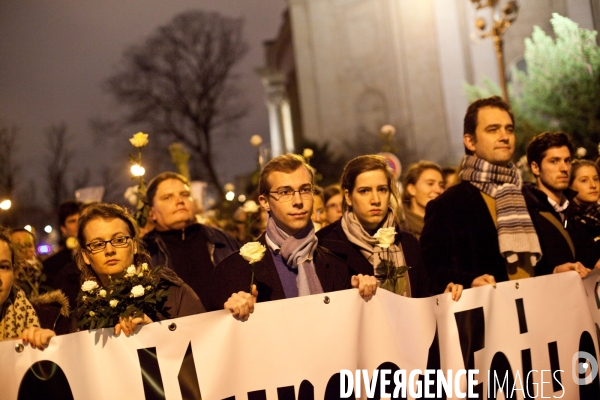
[280, 117]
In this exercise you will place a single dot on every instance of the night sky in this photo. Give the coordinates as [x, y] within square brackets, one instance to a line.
[55, 55]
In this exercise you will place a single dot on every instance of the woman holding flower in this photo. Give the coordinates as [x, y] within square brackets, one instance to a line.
[120, 288]
[368, 237]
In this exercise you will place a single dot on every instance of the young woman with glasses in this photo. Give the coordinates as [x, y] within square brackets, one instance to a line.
[368, 186]
[109, 243]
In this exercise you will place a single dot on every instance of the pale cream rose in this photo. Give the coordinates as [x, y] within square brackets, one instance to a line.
[88, 286]
[250, 207]
[140, 139]
[113, 303]
[256, 140]
[131, 271]
[137, 291]
[102, 293]
[253, 252]
[307, 153]
[141, 275]
[385, 237]
[387, 130]
[145, 267]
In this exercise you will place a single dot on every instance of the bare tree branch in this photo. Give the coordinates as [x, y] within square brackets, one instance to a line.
[179, 82]
[60, 156]
[8, 169]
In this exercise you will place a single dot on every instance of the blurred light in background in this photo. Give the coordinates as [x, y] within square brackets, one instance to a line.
[5, 204]
[47, 229]
[44, 249]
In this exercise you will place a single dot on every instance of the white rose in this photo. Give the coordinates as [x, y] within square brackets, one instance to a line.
[385, 237]
[131, 271]
[145, 267]
[256, 140]
[102, 293]
[88, 286]
[137, 291]
[140, 139]
[307, 153]
[250, 207]
[131, 195]
[141, 275]
[581, 152]
[387, 130]
[113, 303]
[253, 252]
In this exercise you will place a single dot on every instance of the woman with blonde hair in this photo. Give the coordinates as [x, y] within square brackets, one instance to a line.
[18, 319]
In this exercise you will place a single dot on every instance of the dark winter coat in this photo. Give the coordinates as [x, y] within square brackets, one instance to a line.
[235, 273]
[333, 238]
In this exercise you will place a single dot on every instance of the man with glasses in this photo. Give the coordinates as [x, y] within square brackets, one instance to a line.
[178, 241]
[293, 263]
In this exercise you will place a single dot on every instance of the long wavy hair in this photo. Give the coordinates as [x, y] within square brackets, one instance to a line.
[107, 212]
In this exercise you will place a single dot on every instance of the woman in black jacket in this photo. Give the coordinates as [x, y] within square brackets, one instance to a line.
[368, 236]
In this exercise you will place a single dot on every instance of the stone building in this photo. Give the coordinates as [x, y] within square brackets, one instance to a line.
[340, 69]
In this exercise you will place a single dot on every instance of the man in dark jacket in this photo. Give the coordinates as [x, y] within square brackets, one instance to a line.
[479, 232]
[287, 261]
[549, 155]
[178, 241]
[68, 215]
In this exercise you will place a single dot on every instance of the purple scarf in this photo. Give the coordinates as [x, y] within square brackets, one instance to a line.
[297, 251]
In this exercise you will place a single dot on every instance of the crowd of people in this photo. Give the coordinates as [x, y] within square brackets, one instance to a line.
[449, 230]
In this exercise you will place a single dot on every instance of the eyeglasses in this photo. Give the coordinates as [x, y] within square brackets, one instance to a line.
[288, 194]
[99, 245]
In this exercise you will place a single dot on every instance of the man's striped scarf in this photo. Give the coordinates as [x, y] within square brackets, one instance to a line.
[516, 235]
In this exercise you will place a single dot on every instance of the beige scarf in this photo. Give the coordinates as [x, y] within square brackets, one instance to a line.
[17, 314]
[367, 244]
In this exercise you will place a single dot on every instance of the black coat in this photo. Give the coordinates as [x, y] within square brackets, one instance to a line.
[460, 240]
[333, 238]
[234, 274]
[556, 249]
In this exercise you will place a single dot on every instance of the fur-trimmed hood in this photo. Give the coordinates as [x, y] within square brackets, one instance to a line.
[54, 298]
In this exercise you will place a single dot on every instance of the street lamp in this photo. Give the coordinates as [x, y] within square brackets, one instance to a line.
[138, 170]
[5, 204]
[501, 19]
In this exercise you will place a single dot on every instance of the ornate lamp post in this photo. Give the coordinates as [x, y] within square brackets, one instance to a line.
[501, 20]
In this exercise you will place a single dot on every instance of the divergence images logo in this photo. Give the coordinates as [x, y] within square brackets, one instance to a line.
[584, 368]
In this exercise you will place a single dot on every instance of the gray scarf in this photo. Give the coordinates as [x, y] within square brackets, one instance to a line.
[297, 252]
[367, 244]
[517, 237]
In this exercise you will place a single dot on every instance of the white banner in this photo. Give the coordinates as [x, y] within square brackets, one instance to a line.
[296, 348]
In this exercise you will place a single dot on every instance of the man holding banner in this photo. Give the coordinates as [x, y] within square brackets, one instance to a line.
[286, 261]
[479, 231]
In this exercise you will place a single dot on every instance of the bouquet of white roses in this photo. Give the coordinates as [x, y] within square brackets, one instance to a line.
[137, 291]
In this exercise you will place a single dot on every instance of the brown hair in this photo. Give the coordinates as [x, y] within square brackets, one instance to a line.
[331, 191]
[576, 164]
[158, 179]
[414, 173]
[107, 211]
[361, 164]
[286, 163]
[5, 237]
